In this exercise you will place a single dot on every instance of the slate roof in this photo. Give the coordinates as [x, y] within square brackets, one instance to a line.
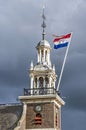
[10, 115]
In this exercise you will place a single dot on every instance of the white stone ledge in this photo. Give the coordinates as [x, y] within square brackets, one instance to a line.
[44, 129]
[49, 97]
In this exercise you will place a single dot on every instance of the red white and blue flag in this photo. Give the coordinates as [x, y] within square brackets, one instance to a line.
[62, 41]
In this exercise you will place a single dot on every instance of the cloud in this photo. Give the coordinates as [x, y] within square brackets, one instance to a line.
[73, 119]
[20, 31]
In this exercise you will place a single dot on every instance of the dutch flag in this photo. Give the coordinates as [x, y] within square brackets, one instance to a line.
[61, 41]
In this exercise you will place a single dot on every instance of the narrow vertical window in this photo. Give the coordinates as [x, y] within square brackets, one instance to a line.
[56, 120]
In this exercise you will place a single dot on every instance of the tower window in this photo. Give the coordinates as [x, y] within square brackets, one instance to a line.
[38, 119]
[46, 82]
[42, 55]
[56, 120]
[45, 55]
[41, 82]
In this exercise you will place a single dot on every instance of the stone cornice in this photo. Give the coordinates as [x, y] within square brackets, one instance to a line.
[42, 98]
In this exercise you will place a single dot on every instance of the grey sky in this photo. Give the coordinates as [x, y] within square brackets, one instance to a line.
[20, 31]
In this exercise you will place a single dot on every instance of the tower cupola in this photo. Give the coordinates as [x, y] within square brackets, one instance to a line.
[43, 52]
[43, 75]
[43, 47]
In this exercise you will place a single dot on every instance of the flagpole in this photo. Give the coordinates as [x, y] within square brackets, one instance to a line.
[62, 69]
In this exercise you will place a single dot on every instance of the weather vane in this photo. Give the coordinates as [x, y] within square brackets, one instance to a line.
[43, 24]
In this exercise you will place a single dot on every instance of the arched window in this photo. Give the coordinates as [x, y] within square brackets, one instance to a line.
[41, 82]
[46, 82]
[38, 119]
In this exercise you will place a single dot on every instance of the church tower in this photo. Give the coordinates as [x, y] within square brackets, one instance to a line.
[41, 102]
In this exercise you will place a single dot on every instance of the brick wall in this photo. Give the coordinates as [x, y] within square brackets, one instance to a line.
[47, 114]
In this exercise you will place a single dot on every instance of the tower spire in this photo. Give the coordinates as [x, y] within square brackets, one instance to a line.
[43, 24]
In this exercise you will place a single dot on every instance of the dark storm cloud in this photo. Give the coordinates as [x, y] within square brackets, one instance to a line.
[73, 80]
[15, 45]
[73, 120]
[17, 30]
[20, 31]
